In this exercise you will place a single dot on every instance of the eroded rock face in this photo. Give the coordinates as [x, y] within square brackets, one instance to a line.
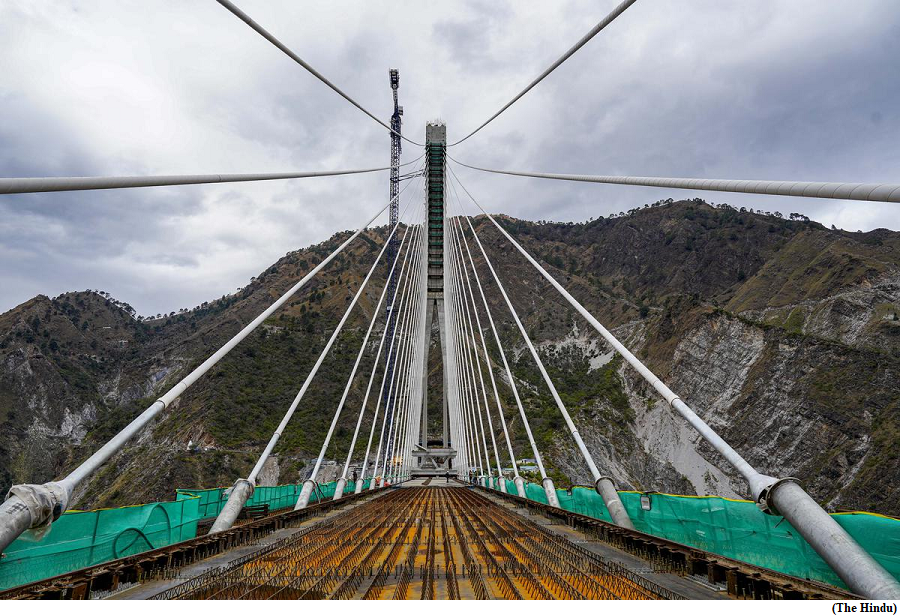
[782, 335]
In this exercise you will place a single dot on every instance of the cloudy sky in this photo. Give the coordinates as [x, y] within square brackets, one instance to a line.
[800, 90]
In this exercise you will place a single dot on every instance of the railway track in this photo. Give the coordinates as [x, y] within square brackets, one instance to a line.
[423, 543]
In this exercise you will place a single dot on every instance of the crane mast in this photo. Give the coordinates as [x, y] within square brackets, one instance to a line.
[394, 215]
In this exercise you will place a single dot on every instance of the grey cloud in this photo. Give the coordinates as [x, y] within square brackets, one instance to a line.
[766, 90]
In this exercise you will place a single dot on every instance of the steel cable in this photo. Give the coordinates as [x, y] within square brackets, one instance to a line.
[293, 56]
[587, 37]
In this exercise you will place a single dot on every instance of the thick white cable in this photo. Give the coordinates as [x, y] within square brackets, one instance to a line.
[547, 482]
[243, 488]
[397, 308]
[399, 406]
[593, 32]
[399, 400]
[888, 193]
[13, 512]
[311, 376]
[452, 393]
[855, 566]
[293, 56]
[13, 186]
[469, 371]
[409, 410]
[403, 338]
[749, 473]
[468, 306]
[415, 383]
[362, 348]
[487, 359]
[417, 386]
[458, 372]
[378, 354]
[404, 312]
[509, 375]
[589, 460]
[411, 387]
[473, 452]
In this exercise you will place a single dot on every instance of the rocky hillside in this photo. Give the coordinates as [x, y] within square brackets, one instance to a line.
[782, 334]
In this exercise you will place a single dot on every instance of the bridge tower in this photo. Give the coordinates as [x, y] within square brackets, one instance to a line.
[435, 459]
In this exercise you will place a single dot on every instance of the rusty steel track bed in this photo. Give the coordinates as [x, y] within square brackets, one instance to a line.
[423, 543]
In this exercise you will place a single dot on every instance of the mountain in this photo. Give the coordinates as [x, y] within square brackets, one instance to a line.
[782, 334]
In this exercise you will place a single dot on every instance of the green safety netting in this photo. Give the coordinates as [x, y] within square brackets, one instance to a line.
[736, 529]
[276, 497]
[733, 528]
[84, 538]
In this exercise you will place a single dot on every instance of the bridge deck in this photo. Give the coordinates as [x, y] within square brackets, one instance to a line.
[439, 541]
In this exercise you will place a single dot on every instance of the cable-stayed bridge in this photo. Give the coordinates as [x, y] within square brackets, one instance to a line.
[434, 537]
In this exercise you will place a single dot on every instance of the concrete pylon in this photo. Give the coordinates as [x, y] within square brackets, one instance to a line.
[435, 304]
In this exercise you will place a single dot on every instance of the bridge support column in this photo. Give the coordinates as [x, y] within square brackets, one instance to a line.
[339, 488]
[520, 486]
[607, 491]
[241, 492]
[502, 483]
[305, 493]
[550, 491]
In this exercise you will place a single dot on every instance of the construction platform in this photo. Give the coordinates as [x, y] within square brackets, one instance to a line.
[428, 541]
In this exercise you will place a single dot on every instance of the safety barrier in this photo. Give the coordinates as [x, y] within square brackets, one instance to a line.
[81, 539]
[736, 529]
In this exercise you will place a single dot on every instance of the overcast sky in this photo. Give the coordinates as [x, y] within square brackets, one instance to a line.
[769, 89]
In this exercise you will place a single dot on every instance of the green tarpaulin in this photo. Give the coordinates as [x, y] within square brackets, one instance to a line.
[81, 539]
[736, 529]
